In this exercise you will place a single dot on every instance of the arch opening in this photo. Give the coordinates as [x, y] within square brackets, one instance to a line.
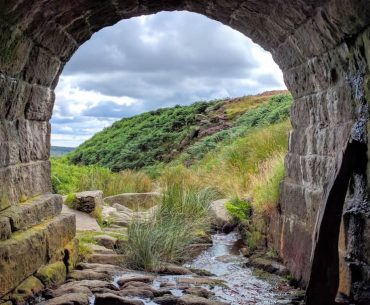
[322, 48]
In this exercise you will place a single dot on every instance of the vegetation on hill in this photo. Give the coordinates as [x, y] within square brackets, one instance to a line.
[160, 136]
[222, 149]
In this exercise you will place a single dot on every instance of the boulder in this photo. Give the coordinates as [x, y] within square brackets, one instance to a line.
[87, 201]
[113, 259]
[167, 299]
[174, 270]
[196, 300]
[220, 218]
[198, 291]
[106, 241]
[112, 299]
[79, 275]
[52, 275]
[144, 292]
[70, 299]
[135, 277]
[134, 201]
[26, 290]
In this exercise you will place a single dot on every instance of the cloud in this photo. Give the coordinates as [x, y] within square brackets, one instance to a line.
[156, 61]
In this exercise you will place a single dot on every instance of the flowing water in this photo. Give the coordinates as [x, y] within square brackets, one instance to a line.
[234, 283]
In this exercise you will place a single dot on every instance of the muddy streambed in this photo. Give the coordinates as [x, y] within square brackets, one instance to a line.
[233, 282]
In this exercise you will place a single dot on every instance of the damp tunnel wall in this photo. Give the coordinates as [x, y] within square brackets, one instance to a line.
[323, 48]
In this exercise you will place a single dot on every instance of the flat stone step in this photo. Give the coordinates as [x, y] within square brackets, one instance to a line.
[84, 222]
[25, 252]
[32, 212]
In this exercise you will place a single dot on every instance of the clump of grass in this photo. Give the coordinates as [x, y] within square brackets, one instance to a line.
[71, 201]
[265, 183]
[98, 215]
[239, 209]
[181, 215]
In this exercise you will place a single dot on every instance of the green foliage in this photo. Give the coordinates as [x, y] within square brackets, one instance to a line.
[68, 178]
[275, 111]
[181, 215]
[71, 200]
[239, 209]
[150, 139]
[140, 141]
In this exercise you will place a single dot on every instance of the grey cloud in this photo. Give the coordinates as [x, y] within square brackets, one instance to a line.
[170, 58]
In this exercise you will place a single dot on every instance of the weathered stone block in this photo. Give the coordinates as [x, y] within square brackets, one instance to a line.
[33, 211]
[40, 104]
[59, 233]
[52, 275]
[27, 251]
[9, 153]
[13, 97]
[41, 68]
[20, 257]
[25, 291]
[24, 180]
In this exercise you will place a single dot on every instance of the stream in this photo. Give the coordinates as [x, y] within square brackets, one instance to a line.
[233, 282]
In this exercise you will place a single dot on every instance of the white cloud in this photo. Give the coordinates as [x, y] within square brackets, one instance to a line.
[155, 61]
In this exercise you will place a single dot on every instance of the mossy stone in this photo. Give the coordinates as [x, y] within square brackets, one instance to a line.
[52, 275]
[26, 290]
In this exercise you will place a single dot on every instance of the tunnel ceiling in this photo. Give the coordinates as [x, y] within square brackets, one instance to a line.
[321, 46]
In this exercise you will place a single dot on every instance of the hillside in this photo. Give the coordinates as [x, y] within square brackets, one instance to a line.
[178, 133]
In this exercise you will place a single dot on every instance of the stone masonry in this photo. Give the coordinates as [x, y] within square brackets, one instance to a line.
[323, 48]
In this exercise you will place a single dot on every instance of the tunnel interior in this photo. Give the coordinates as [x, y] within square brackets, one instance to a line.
[323, 49]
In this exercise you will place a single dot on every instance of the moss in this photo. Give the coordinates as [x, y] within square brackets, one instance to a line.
[84, 251]
[53, 274]
[26, 290]
[23, 198]
[71, 201]
[71, 254]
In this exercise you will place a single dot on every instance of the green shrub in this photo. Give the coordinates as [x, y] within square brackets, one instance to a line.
[239, 209]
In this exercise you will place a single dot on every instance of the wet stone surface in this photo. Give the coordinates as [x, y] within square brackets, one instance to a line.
[217, 276]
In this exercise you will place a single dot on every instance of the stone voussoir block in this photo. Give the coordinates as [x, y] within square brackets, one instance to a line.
[33, 211]
[25, 252]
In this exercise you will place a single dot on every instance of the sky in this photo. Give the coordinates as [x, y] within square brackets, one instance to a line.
[155, 61]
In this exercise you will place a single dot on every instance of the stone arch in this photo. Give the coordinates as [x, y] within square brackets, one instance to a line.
[322, 46]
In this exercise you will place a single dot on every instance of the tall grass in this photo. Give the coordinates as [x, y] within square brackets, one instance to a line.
[232, 168]
[265, 183]
[181, 216]
[67, 178]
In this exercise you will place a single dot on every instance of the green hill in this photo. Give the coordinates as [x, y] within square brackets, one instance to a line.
[183, 133]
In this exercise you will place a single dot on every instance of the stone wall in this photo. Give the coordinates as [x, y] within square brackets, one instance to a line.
[322, 47]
